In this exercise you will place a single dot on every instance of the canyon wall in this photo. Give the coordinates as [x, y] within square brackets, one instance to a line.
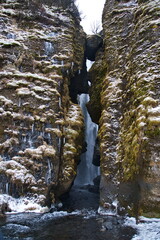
[125, 101]
[41, 129]
[42, 69]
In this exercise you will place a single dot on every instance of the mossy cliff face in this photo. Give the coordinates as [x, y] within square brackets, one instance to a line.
[128, 86]
[41, 130]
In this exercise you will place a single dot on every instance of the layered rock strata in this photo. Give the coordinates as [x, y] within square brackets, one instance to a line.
[125, 102]
[41, 130]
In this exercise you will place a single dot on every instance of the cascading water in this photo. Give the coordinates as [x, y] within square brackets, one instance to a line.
[86, 170]
[85, 191]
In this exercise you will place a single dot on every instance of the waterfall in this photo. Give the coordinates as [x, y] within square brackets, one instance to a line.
[86, 170]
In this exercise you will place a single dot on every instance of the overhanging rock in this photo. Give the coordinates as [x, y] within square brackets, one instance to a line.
[93, 43]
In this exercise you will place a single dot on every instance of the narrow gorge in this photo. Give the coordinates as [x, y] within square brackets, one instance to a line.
[55, 115]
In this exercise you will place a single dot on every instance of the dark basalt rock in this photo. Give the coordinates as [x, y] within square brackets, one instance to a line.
[93, 43]
[96, 155]
[79, 83]
[4, 208]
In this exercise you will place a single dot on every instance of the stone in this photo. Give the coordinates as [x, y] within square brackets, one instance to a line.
[108, 225]
[124, 100]
[41, 129]
[93, 43]
[96, 155]
[4, 208]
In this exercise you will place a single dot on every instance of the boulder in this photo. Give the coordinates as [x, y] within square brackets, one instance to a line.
[93, 43]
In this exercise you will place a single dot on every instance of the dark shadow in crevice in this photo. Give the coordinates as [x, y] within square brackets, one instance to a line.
[82, 197]
[79, 83]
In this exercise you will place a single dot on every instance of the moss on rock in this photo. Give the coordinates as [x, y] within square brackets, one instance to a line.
[128, 96]
[42, 49]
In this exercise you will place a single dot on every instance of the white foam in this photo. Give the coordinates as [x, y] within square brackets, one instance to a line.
[149, 229]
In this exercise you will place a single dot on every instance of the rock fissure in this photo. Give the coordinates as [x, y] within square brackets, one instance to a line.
[43, 70]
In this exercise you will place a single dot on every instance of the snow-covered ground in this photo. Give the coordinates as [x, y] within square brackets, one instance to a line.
[147, 229]
[19, 205]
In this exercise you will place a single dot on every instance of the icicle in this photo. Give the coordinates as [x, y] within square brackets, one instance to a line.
[7, 188]
[48, 48]
[32, 128]
[60, 101]
[19, 102]
[30, 142]
[49, 138]
[49, 173]
[72, 65]
[59, 144]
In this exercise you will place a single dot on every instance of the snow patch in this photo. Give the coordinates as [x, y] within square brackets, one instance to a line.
[149, 229]
[23, 204]
[8, 42]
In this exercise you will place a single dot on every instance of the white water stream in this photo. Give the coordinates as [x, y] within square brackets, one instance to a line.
[86, 170]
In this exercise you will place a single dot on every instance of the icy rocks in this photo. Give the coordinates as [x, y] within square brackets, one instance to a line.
[38, 120]
[125, 102]
[93, 43]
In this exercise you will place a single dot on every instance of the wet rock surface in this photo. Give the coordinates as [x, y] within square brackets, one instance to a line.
[84, 197]
[93, 43]
[66, 228]
[76, 217]
[78, 224]
[41, 130]
[125, 102]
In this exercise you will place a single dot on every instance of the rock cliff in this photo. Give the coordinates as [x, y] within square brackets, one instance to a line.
[41, 129]
[42, 60]
[125, 101]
